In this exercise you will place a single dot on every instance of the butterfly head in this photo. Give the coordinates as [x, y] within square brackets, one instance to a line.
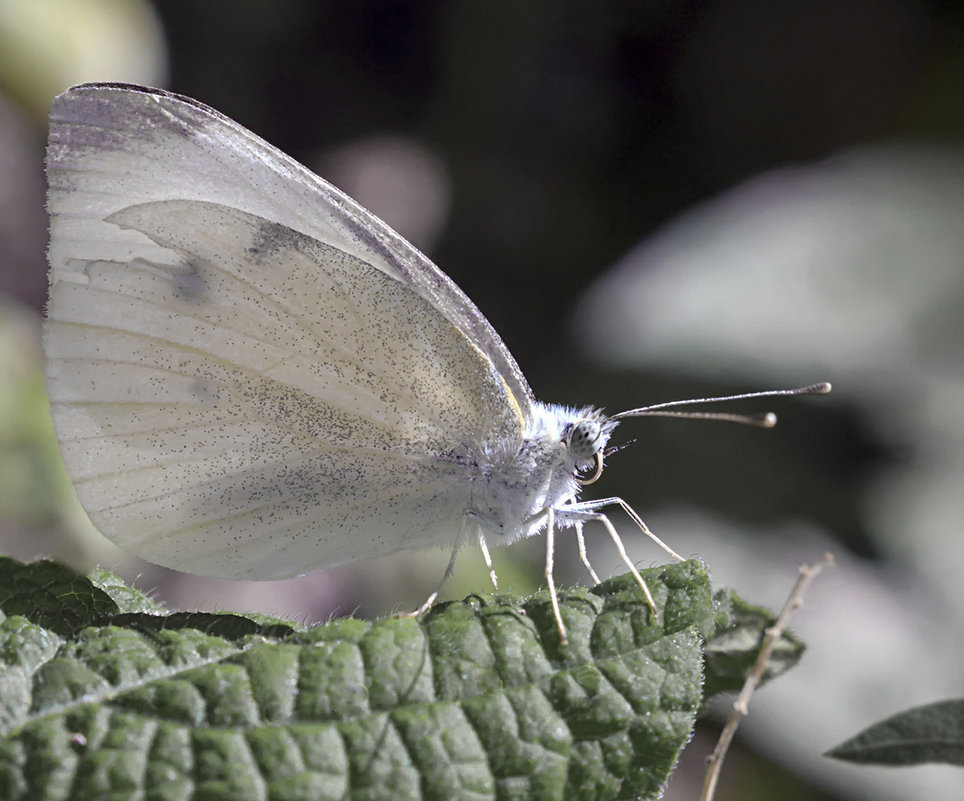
[586, 439]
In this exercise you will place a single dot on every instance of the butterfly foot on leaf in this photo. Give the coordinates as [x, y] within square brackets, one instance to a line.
[421, 610]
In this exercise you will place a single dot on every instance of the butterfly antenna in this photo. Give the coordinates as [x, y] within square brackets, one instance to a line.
[764, 420]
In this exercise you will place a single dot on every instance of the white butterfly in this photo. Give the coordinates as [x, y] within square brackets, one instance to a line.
[253, 377]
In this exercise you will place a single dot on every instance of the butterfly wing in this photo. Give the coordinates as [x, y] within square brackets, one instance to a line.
[233, 396]
[117, 145]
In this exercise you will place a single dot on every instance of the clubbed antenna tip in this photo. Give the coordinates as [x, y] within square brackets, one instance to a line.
[764, 420]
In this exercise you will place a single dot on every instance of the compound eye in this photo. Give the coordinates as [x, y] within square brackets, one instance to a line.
[585, 439]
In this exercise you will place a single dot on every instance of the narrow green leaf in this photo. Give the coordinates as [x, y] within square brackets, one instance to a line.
[930, 733]
[476, 700]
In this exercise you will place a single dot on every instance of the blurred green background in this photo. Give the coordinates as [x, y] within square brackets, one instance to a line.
[780, 188]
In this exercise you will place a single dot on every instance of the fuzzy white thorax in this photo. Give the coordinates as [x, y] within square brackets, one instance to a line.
[515, 483]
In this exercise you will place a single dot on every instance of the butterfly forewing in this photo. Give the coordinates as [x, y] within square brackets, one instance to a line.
[116, 145]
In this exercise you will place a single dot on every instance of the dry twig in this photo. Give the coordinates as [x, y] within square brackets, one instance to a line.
[794, 601]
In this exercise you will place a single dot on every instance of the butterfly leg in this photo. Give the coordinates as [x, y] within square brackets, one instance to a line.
[594, 506]
[547, 515]
[576, 514]
[550, 581]
[488, 562]
[428, 602]
[484, 524]
[582, 551]
[628, 562]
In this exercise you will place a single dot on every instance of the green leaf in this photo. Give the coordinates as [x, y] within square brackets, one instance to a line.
[102, 698]
[51, 595]
[127, 599]
[733, 648]
[930, 733]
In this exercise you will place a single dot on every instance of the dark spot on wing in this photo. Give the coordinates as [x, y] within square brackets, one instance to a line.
[271, 238]
[188, 282]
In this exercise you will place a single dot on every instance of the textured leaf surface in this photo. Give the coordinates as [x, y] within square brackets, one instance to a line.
[105, 698]
[733, 648]
[930, 733]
